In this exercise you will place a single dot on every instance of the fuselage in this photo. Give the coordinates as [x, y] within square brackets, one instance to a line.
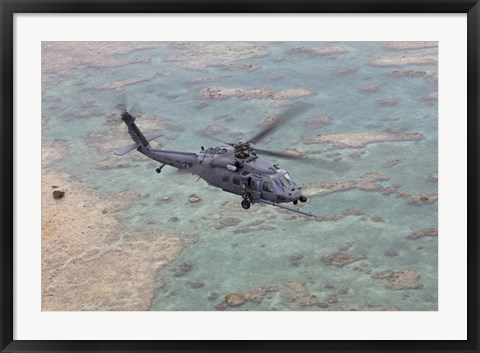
[235, 168]
[218, 166]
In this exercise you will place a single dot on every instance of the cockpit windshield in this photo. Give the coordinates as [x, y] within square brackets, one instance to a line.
[287, 176]
[285, 179]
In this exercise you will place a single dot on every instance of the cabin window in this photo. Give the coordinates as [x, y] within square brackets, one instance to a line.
[236, 180]
[226, 177]
[280, 185]
[267, 186]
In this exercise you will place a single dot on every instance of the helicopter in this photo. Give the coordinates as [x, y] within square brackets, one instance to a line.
[234, 167]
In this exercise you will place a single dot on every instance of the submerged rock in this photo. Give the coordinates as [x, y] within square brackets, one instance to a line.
[431, 97]
[196, 284]
[269, 121]
[256, 295]
[332, 299]
[405, 279]
[423, 199]
[213, 296]
[214, 129]
[389, 190]
[361, 139]
[366, 182]
[346, 70]
[201, 55]
[396, 129]
[344, 247]
[340, 259]
[391, 252]
[296, 259]
[368, 88]
[410, 45]
[253, 93]
[353, 212]
[392, 163]
[318, 122]
[221, 306]
[404, 60]
[300, 294]
[432, 232]
[326, 50]
[409, 73]
[234, 299]
[183, 269]
[227, 222]
[194, 198]
[58, 194]
[388, 102]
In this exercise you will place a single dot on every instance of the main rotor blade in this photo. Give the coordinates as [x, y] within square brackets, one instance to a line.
[294, 110]
[214, 138]
[135, 109]
[285, 155]
[339, 167]
[121, 103]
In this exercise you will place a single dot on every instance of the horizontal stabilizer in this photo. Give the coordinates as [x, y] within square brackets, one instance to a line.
[124, 150]
[149, 137]
[152, 135]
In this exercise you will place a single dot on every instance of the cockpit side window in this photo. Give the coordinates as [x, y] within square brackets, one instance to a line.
[268, 186]
[278, 183]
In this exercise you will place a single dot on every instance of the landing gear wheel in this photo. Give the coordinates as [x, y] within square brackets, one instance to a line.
[295, 202]
[303, 199]
[245, 204]
[158, 170]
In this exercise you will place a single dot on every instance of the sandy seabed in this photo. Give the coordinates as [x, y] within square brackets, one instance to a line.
[87, 261]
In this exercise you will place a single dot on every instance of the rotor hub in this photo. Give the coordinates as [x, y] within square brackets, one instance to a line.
[243, 150]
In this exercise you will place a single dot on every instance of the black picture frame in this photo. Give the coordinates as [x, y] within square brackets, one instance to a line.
[9, 7]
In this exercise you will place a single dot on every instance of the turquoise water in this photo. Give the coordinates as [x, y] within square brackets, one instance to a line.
[230, 260]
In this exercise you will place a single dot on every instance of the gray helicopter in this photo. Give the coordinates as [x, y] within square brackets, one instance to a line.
[234, 167]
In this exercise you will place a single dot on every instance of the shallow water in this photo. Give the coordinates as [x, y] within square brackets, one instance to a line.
[225, 261]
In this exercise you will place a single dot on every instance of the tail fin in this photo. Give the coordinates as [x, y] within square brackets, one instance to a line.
[137, 136]
[133, 130]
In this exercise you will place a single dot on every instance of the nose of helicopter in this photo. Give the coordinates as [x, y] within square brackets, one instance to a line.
[294, 193]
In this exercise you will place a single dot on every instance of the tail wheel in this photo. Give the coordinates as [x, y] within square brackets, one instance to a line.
[245, 204]
[159, 169]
